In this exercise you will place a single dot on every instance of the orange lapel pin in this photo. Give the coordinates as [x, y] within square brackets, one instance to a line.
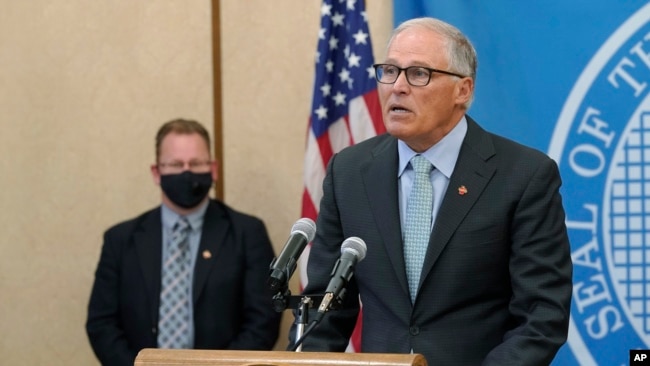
[462, 190]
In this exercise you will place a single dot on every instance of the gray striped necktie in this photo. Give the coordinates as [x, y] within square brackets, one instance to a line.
[176, 291]
[418, 222]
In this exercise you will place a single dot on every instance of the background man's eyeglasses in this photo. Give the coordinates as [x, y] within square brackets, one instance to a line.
[179, 166]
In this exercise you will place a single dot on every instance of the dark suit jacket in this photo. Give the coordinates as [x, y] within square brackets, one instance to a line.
[232, 304]
[496, 282]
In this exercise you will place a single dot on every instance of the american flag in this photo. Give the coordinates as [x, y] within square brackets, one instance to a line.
[345, 107]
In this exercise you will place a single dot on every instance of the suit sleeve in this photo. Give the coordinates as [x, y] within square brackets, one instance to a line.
[334, 331]
[261, 323]
[541, 274]
[103, 325]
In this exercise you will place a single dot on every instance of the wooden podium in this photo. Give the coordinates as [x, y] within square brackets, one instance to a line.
[187, 357]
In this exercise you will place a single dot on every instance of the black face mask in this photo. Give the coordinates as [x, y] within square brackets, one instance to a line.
[186, 189]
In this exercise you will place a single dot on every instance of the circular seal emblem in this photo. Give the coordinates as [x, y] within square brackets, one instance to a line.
[602, 145]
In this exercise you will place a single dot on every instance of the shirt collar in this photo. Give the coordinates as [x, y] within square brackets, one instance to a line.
[169, 217]
[442, 155]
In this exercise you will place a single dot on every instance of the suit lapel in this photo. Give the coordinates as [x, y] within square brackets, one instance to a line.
[473, 171]
[148, 245]
[380, 179]
[215, 227]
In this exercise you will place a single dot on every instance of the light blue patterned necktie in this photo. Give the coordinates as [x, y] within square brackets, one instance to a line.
[418, 222]
[176, 291]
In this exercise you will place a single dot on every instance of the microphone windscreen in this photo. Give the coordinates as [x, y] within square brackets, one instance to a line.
[356, 244]
[305, 226]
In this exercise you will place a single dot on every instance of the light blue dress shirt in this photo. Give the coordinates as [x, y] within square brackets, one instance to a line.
[443, 155]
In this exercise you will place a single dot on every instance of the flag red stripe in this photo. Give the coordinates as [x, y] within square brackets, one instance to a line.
[374, 108]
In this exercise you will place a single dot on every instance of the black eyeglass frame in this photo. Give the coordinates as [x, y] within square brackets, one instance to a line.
[405, 69]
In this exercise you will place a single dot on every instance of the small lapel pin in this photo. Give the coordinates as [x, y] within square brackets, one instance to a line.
[462, 190]
[207, 254]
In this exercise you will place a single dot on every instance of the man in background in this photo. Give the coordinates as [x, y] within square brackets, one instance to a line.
[190, 273]
[468, 259]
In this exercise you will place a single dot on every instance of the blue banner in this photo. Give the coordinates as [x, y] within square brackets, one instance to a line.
[572, 78]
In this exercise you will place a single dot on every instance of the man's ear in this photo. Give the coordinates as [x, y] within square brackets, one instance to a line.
[155, 174]
[214, 169]
[464, 90]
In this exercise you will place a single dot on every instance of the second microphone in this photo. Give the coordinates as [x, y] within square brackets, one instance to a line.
[353, 250]
[283, 266]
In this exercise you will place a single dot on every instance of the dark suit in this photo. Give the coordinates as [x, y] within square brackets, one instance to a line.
[496, 281]
[232, 305]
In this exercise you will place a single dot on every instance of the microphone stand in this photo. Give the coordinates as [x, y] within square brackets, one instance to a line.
[302, 319]
[283, 299]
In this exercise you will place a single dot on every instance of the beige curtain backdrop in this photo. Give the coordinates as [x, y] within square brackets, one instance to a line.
[83, 87]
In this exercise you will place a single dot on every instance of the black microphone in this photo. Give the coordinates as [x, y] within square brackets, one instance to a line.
[282, 267]
[353, 250]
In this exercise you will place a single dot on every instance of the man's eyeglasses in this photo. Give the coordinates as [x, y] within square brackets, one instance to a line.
[415, 75]
[179, 166]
